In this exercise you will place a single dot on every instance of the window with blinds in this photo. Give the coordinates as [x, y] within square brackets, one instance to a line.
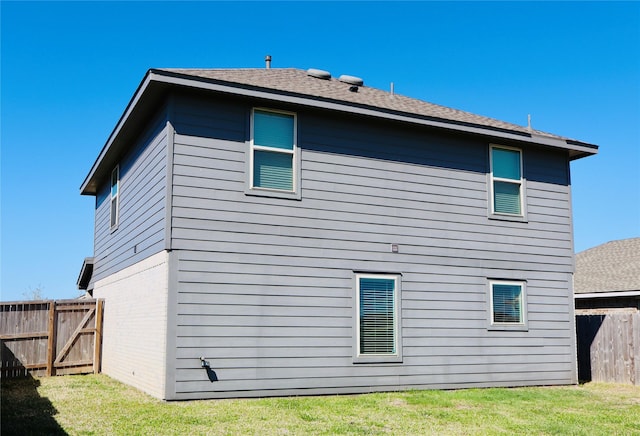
[506, 181]
[377, 324]
[507, 303]
[273, 150]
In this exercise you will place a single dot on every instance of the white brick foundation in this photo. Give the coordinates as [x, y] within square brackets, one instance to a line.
[135, 324]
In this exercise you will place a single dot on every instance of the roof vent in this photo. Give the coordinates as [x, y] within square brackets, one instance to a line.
[351, 80]
[319, 74]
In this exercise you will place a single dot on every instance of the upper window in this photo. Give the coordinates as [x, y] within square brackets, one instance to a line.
[115, 187]
[508, 304]
[506, 181]
[378, 326]
[273, 155]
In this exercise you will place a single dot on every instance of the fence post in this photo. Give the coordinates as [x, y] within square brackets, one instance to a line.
[635, 325]
[50, 339]
[97, 340]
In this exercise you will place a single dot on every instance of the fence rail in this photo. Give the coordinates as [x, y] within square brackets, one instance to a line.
[609, 347]
[49, 337]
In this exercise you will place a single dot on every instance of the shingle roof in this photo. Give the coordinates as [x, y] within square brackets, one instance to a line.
[291, 80]
[610, 267]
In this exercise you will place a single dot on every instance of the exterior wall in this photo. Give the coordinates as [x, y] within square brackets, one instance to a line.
[142, 197]
[265, 286]
[135, 324]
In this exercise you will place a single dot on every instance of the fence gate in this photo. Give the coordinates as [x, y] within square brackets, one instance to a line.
[50, 337]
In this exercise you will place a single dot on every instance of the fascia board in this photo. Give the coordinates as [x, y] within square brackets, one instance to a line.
[608, 294]
[114, 134]
[583, 147]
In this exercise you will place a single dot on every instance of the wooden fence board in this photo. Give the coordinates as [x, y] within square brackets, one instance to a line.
[50, 337]
[25, 335]
[609, 347]
[97, 349]
[636, 350]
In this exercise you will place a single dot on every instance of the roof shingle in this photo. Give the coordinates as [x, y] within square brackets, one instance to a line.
[610, 267]
[292, 80]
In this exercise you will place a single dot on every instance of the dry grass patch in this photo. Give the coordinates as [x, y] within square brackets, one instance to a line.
[98, 405]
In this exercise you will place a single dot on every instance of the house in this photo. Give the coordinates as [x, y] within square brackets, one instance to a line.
[265, 232]
[607, 303]
[607, 277]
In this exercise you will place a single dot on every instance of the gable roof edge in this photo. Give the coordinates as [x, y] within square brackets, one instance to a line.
[137, 95]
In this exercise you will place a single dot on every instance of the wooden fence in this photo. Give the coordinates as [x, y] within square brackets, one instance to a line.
[609, 347]
[47, 337]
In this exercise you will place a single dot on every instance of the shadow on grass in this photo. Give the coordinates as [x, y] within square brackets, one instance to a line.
[24, 411]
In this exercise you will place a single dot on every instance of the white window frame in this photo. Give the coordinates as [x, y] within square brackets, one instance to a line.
[523, 324]
[294, 152]
[114, 221]
[521, 185]
[397, 328]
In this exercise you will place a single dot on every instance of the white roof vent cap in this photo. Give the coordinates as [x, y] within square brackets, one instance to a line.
[319, 74]
[351, 80]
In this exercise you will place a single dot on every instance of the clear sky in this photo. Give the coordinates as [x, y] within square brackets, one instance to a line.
[69, 69]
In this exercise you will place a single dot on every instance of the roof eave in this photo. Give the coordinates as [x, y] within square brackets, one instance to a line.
[84, 278]
[607, 294]
[576, 149]
[581, 149]
[89, 186]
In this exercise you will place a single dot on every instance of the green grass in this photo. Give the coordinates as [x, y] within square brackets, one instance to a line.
[98, 405]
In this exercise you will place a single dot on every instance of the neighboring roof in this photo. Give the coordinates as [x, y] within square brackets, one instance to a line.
[298, 87]
[610, 267]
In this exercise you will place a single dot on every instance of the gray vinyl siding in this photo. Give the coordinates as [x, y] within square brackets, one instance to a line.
[265, 285]
[142, 196]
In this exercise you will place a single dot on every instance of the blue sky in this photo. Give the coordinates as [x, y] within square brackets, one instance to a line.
[69, 69]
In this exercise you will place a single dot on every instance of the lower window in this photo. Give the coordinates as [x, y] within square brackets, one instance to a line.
[378, 318]
[507, 300]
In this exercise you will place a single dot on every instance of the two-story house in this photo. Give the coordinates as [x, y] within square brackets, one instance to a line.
[285, 232]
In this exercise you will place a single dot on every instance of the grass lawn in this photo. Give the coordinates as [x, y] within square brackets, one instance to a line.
[96, 404]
